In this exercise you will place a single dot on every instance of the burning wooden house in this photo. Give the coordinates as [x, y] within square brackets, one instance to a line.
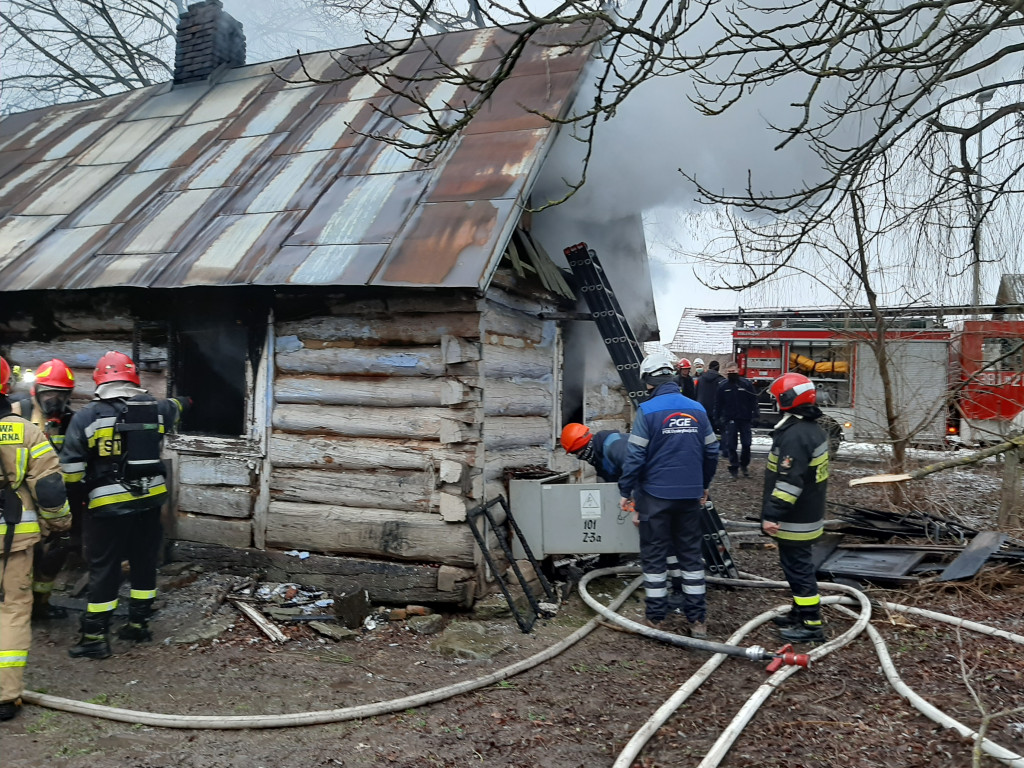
[373, 339]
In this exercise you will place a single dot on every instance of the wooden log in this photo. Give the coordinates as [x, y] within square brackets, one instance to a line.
[214, 470]
[387, 582]
[361, 361]
[509, 290]
[535, 363]
[215, 500]
[459, 350]
[433, 303]
[265, 625]
[502, 432]
[384, 392]
[374, 532]
[409, 329]
[501, 321]
[387, 489]
[522, 397]
[77, 353]
[605, 403]
[356, 421]
[498, 461]
[213, 530]
[310, 451]
[116, 326]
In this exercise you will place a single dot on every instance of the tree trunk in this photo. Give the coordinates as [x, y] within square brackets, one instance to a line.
[1009, 496]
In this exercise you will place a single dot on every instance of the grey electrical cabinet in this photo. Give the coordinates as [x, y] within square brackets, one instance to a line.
[571, 519]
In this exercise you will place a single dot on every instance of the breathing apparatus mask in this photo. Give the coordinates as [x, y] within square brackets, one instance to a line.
[53, 401]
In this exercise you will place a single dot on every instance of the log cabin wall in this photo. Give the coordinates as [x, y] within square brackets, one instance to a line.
[376, 444]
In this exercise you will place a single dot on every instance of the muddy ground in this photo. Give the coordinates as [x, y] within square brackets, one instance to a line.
[578, 709]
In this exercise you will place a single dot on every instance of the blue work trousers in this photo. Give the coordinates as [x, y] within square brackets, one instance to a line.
[671, 527]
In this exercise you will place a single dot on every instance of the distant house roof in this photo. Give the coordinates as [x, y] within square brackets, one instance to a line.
[693, 335]
[249, 179]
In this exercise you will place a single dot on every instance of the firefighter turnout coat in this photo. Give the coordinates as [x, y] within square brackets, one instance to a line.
[796, 477]
[94, 452]
[34, 504]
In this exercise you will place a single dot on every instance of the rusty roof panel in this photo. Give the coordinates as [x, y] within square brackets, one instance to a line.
[44, 264]
[230, 250]
[488, 166]
[170, 218]
[324, 265]
[250, 179]
[120, 200]
[125, 141]
[178, 147]
[448, 244]
[289, 182]
[67, 189]
[19, 233]
[361, 209]
[16, 186]
[227, 163]
[275, 112]
[113, 270]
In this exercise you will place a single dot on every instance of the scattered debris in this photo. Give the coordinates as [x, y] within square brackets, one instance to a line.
[430, 624]
[333, 631]
[352, 607]
[296, 553]
[266, 626]
[468, 640]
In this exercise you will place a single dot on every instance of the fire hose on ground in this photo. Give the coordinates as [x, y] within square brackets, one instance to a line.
[721, 652]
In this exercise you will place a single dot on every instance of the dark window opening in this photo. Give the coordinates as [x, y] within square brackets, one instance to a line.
[205, 359]
[574, 367]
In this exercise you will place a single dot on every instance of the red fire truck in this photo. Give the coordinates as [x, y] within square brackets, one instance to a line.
[968, 381]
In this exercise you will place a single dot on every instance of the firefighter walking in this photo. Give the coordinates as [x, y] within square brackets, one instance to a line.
[48, 408]
[34, 505]
[793, 506]
[113, 446]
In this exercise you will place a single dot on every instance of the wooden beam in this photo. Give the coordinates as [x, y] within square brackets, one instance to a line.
[363, 361]
[378, 391]
[374, 532]
[519, 397]
[214, 500]
[213, 530]
[366, 421]
[407, 328]
[266, 626]
[331, 452]
[387, 582]
[395, 489]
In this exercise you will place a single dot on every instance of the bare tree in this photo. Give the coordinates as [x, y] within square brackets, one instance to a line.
[67, 50]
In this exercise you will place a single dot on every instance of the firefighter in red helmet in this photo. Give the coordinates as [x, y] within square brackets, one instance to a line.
[113, 447]
[685, 379]
[34, 504]
[48, 408]
[793, 505]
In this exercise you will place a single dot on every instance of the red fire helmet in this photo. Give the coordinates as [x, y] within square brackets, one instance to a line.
[683, 363]
[54, 373]
[575, 437]
[115, 366]
[5, 377]
[793, 389]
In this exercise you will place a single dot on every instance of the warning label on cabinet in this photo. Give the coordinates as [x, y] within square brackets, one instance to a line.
[590, 504]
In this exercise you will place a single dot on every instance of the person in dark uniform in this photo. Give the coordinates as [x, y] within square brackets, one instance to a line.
[736, 409]
[671, 459]
[604, 451]
[113, 446]
[793, 505]
[685, 380]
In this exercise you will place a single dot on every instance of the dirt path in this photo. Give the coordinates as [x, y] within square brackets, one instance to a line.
[576, 710]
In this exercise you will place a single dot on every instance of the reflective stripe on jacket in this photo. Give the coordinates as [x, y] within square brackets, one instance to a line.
[796, 479]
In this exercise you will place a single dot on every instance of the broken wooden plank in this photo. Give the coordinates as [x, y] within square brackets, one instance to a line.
[266, 626]
[890, 564]
[969, 561]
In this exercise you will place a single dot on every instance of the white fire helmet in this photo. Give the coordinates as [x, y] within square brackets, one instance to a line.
[698, 361]
[657, 364]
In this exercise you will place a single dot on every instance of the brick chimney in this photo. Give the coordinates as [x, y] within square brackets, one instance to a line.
[207, 38]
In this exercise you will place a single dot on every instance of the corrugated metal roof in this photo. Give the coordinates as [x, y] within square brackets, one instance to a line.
[254, 180]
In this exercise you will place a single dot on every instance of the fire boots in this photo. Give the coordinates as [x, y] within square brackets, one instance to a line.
[9, 709]
[786, 620]
[94, 642]
[137, 628]
[43, 611]
[803, 633]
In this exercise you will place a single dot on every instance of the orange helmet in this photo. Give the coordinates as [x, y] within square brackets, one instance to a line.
[54, 373]
[575, 437]
[5, 377]
[793, 389]
[683, 363]
[115, 366]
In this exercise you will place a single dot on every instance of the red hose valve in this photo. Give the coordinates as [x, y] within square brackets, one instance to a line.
[786, 656]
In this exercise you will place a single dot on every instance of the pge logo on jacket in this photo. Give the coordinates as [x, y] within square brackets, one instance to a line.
[679, 423]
